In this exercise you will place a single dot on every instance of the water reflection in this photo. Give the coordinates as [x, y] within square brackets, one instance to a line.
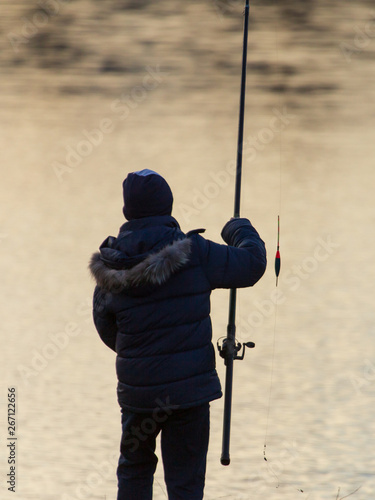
[78, 112]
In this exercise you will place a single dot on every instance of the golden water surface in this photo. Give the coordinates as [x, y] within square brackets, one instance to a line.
[93, 90]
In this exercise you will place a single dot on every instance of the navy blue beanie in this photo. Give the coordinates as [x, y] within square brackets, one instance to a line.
[146, 194]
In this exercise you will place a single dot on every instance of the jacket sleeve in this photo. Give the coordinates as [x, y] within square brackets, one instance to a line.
[240, 263]
[104, 319]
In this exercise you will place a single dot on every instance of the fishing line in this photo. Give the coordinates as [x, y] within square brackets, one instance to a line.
[161, 487]
[271, 382]
[277, 272]
[277, 265]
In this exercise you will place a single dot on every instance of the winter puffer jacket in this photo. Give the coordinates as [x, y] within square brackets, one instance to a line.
[152, 306]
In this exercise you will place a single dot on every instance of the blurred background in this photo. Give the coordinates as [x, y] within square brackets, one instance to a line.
[92, 90]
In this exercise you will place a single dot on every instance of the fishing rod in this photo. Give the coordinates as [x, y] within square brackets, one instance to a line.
[230, 348]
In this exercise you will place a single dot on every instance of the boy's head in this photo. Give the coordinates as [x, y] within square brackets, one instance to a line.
[146, 193]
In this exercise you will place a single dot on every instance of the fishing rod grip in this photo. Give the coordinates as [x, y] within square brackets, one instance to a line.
[225, 457]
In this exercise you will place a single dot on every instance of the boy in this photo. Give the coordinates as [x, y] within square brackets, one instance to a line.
[152, 307]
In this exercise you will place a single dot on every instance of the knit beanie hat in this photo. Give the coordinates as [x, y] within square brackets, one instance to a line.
[146, 193]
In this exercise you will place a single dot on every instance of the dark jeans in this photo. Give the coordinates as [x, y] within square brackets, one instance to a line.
[184, 445]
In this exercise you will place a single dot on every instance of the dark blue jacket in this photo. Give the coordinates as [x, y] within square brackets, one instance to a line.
[152, 306]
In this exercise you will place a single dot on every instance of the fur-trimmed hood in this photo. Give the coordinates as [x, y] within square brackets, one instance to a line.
[154, 270]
